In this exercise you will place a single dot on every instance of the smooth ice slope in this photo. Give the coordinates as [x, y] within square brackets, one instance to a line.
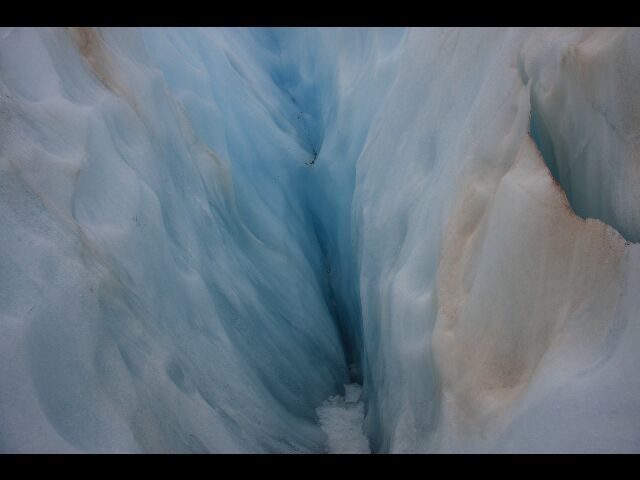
[201, 229]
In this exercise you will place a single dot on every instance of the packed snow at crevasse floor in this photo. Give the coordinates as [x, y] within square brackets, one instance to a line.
[201, 229]
[341, 417]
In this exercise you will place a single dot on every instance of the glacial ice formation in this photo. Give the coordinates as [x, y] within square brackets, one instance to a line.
[210, 237]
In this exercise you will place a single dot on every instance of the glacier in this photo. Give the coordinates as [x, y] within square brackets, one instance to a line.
[241, 240]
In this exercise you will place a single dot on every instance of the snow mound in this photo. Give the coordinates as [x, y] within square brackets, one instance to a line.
[341, 417]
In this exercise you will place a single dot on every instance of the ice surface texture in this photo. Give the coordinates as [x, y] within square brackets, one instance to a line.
[201, 228]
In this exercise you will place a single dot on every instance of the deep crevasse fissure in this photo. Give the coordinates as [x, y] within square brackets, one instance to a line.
[224, 227]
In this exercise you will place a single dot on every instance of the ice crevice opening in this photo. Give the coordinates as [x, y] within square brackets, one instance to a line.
[341, 416]
[280, 240]
[571, 144]
[585, 190]
[302, 108]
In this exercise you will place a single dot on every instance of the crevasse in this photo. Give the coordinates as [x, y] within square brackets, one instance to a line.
[208, 233]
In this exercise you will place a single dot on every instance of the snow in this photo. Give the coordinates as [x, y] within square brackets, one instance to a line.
[341, 418]
[209, 238]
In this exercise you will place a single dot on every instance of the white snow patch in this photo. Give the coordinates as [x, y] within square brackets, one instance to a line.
[341, 419]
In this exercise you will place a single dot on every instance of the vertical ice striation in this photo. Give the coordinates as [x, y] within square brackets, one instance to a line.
[202, 228]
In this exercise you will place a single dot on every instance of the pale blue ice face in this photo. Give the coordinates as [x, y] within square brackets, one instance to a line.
[217, 264]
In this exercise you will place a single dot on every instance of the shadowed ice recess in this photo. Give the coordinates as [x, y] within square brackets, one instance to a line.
[319, 240]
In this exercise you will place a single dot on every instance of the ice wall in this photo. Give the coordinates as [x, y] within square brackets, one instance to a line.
[493, 316]
[160, 281]
[207, 232]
